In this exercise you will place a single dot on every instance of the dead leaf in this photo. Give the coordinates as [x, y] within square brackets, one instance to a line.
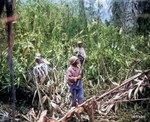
[54, 105]
[43, 99]
[42, 116]
[26, 50]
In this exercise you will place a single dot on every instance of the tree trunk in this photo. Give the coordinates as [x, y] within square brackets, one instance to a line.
[82, 14]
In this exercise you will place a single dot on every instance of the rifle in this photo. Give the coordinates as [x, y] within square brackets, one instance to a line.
[81, 71]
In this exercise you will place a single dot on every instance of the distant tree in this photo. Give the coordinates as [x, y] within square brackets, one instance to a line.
[93, 12]
[90, 10]
[98, 11]
[143, 18]
[124, 14]
[82, 15]
[107, 22]
[116, 11]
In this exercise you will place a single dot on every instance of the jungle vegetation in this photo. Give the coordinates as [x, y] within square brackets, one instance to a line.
[53, 29]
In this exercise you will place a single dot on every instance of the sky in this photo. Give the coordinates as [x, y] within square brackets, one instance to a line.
[105, 13]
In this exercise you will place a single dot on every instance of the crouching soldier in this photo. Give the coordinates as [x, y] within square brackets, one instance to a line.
[74, 81]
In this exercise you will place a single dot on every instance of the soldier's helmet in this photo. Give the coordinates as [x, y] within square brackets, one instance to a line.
[79, 42]
[37, 55]
[72, 60]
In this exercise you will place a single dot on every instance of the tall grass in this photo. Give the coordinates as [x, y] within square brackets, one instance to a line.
[43, 27]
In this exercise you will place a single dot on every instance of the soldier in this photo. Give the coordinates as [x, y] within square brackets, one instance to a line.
[80, 52]
[39, 59]
[74, 81]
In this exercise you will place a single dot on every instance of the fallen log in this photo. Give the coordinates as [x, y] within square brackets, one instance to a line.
[91, 105]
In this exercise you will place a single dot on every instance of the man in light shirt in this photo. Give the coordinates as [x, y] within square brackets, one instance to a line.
[80, 52]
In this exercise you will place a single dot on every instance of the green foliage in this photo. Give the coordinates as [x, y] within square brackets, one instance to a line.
[116, 9]
[4, 71]
[46, 28]
[134, 112]
[53, 30]
[143, 25]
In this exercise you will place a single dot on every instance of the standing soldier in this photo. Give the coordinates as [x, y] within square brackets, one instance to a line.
[74, 81]
[80, 52]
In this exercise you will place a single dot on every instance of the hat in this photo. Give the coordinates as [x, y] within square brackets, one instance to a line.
[37, 55]
[79, 42]
[72, 60]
